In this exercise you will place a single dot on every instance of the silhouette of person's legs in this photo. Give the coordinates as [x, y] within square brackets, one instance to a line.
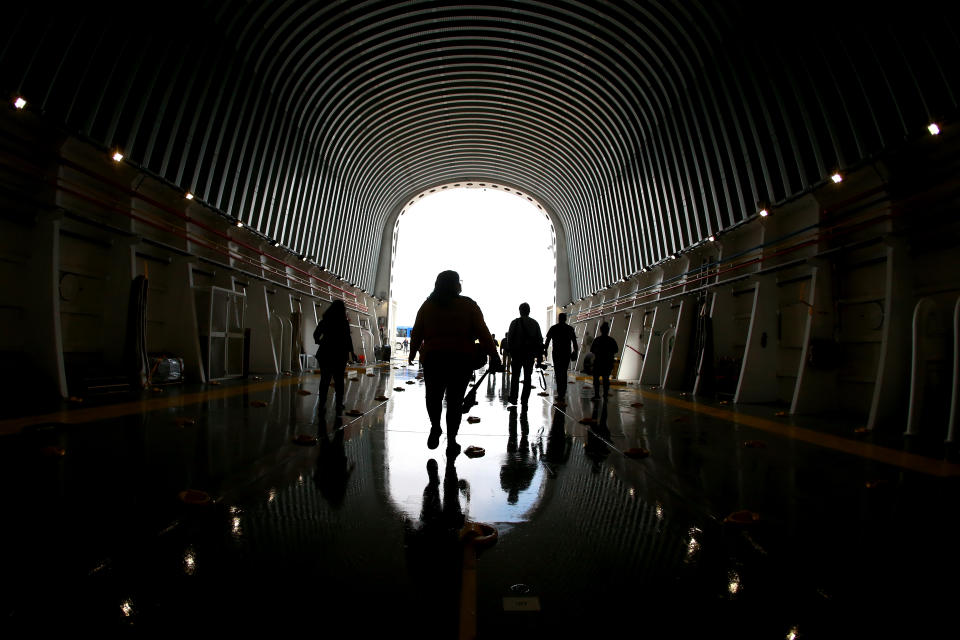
[445, 375]
[560, 366]
[526, 367]
[527, 381]
[338, 372]
[456, 388]
[436, 385]
[596, 383]
[324, 390]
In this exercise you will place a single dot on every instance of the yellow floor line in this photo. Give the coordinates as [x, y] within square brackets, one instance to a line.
[158, 403]
[886, 455]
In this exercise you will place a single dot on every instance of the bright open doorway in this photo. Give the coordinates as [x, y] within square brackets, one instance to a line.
[503, 246]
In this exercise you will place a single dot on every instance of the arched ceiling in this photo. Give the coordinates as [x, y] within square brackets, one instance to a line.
[643, 127]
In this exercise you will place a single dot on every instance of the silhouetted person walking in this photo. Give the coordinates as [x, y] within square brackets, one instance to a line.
[444, 332]
[526, 345]
[334, 346]
[564, 349]
[604, 349]
[505, 352]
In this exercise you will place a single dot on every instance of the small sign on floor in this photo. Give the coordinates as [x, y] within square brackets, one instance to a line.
[528, 603]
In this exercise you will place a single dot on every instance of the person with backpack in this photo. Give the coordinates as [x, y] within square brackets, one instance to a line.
[446, 331]
[564, 349]
[526, 345]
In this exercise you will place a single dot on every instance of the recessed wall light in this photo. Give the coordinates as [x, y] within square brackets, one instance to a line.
[764, 213]
[19, 103]
[933, 129]
[188, 196]
[711, 239]
[837, 178]
[239, 224]
[117, 156]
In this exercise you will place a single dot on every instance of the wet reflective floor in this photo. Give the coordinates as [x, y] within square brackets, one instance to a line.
[226, 506]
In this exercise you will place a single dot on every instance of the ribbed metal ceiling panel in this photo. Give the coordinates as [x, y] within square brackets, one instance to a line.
[643, 127]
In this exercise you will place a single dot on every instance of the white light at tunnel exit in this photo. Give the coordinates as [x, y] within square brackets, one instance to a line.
[19, 103]
[933, 129]
[837, 178]
[117, 156]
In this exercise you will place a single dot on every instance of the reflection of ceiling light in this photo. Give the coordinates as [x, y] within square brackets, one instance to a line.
[764, 213]
[188, 196]
[933, 129]
[117, 156]
[19, 103]
[837, 178]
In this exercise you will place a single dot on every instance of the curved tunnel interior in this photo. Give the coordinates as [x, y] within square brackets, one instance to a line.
[758, 199]
[645, 128]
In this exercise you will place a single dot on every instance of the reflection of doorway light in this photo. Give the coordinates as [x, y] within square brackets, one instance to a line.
[484, 484]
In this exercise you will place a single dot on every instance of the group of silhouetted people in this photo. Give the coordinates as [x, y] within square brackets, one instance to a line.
[453, 341]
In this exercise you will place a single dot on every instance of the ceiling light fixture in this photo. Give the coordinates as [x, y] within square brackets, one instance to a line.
[837, 178]
[188, 196]
[19, 103]
[933, 129]
[764, 213]
[117, 156]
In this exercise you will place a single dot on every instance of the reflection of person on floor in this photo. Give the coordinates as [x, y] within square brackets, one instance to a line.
[334, 346]
[526, 345]
[564, 349]
[333, 467]
[517, 472]
[434, 556]
[559, 444]
[596, 447]
[446, 328]
[604, 349]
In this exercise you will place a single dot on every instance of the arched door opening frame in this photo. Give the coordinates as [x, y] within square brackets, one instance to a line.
[388, 243]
